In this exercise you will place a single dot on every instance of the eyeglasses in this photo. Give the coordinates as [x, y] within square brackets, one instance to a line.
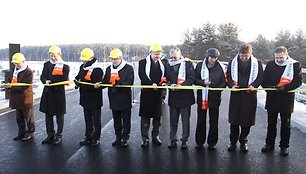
[280, 58]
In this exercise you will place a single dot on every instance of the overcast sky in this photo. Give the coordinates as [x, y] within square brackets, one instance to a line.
[42, 22]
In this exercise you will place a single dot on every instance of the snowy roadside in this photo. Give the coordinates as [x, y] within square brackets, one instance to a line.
[298, 116]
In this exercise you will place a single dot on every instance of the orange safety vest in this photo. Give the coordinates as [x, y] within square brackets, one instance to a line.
[114, 77]
[88, 75]
[14, 79]
[57, 71]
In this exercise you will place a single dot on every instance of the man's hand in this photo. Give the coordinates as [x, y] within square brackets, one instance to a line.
[175, 86]
[97, 85]
[207, 82]
[155, 86]
[8, 86]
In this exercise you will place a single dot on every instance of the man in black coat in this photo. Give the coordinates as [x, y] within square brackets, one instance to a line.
[283, 73]
[120, 99]
[180, 101]
[151, 71]
[53, 99]
[21, 98]
[244, 71]
[209, 73]
[90, 96]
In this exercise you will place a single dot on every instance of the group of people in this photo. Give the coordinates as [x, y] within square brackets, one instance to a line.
[243, 71]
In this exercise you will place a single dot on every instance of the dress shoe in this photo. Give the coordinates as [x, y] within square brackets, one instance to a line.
[48, 140]
[199, 146]
[124, 143]
[95, 143]
[211, 147]
[85, 142]
[172, 144]
[145, 143]
[232, 147]
[27, 137]
[156, 141]
[117, 142]
[267, 148]
[57, 140]
[184, 145]
[19, 137]
[244, 148]
[284, 151]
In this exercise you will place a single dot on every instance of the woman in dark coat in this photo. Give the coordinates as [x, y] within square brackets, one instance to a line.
[244, 71]
[213, 76]
[151, 71]
[21, 98]
[53, 99]
[120, 99]
[90, 96]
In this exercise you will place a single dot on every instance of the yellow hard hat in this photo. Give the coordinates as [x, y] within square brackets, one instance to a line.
[115, 53]
[86, 54]
[17, 58]
[55, 49]
[156, 48]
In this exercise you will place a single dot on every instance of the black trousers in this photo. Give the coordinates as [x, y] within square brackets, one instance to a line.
[285, 129]
[93, 123]
[122, 123]
[200, 135]
[25, 121]
[50, 125]
[145, 126]
[235, 134]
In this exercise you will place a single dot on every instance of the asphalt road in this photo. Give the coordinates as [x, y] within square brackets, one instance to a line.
[69, 157]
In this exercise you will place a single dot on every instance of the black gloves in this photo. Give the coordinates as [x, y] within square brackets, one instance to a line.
[280, 89]
[77, 84]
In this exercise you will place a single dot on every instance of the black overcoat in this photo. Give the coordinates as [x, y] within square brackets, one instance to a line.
[282, 102]
[120, 98]
[53, 99]
[216, 75]
[243, 104]
[90, 97]
[151, 99]
[184, 97]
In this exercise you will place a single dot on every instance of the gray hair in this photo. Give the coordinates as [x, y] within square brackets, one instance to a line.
[175, 50]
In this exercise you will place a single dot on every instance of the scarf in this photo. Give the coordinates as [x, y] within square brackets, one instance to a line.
[287, 75]
[148, 69]
[182, 69]
[58, 68]
[115, 72]
[205, 76]
[253, 73]
[16, 72]
[89, 70]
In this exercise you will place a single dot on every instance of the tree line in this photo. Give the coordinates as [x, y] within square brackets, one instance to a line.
[224, 37]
